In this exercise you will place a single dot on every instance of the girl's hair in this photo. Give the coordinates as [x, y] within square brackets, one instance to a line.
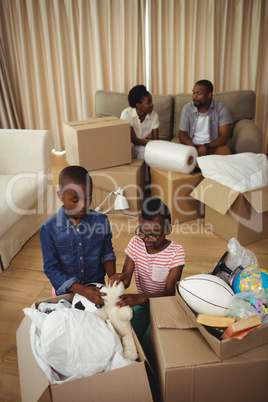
[136, 94]
[75, 174]
[154, 207]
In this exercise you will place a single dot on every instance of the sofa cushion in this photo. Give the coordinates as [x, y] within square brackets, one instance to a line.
[179, 101]
[241, 105]
[247, 136]
[163, 106]
[111, 103]
[18, 195]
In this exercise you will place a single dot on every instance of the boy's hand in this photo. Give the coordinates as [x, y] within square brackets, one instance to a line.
[94, 294]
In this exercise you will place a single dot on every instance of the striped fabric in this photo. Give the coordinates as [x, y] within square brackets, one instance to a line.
[151, 270]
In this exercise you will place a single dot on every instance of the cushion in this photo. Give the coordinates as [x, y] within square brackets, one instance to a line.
[241, 104]
[163, 106]
[179, 101]
[246, 136]
[110, 103]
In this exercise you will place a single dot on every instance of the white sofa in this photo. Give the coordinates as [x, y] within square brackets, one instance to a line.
[27, 195]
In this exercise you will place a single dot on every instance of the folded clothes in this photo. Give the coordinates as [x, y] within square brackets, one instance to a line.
[49, 307]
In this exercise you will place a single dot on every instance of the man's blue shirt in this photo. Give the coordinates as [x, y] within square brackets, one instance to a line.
[75, 254]
[218, 114]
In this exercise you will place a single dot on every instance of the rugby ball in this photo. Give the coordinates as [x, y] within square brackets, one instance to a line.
[82, 303]
[206, 294]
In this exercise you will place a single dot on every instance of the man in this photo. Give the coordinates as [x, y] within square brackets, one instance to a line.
[205, 123]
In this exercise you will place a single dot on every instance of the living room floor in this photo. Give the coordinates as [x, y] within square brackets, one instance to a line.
[24, 281]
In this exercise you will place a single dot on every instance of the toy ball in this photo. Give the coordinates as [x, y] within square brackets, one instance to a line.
[206, 294]
[251, 279]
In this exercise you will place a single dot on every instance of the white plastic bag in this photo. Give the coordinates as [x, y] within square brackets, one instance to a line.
[74, 344]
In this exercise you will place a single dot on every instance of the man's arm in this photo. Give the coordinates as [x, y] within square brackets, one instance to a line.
[224, 133]
[184, 139]
[184, 126]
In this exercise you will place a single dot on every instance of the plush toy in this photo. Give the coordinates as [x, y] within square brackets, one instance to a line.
[119, 317]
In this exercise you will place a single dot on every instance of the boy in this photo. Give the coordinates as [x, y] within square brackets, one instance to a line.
[77, 242]
[156, 262]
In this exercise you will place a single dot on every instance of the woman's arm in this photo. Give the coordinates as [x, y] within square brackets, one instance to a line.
[155, 134]
[135, 140]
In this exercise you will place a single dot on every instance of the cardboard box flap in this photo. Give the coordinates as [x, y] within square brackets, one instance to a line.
[258, 198]
[215, 195]
[169, 340]
[94, 388]
[33, 381]
[96, 121]
[168, 315]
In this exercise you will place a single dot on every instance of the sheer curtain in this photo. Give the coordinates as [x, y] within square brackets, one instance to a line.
[224, 41]
[54, 55]
[58, 53]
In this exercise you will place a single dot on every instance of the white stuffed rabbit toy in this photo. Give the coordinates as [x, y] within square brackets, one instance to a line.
[119, 317]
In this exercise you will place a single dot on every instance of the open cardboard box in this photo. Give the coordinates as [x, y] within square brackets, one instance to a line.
[233, 214]
[98, 142]
[174, 190]
[189, 370]
[228, 347]
[125, 384]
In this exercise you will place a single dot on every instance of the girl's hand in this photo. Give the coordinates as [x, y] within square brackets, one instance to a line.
[130, 300]
[118, 278]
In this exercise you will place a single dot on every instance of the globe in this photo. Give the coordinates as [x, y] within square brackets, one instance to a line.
[251, 279]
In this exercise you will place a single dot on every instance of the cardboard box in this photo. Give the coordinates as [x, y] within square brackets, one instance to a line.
[189, 370]
[174, 190]
[98, 143]
[131, 178]
[115, 385]
[228, 347]
[233, 214]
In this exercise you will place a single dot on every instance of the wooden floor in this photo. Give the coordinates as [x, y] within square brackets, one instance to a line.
[24, 281]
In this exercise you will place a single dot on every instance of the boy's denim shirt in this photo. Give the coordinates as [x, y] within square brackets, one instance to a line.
[75, 254]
